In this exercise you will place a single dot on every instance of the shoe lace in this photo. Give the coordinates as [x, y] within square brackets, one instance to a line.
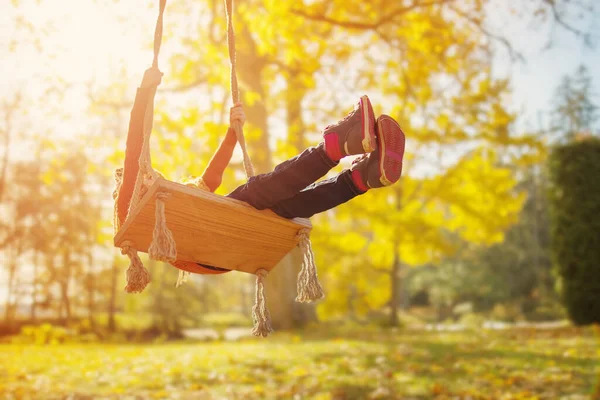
[359, 159]
[350, 114]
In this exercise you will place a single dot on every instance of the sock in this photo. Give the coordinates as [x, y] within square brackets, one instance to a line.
[358, 181]
[332, 147]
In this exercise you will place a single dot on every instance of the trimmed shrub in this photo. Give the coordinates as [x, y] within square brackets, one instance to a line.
[575, 217]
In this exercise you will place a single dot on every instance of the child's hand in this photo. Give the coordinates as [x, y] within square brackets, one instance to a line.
[152, 77]
[236, 113]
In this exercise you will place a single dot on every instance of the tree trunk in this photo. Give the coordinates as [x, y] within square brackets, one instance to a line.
[4, 165]
[281, 283]
[112, 301]
[65, 303]
[8, 308]
[281, 291]
[396, 289]
[90, 286]
[395, 273]
[160, 314]
[64, 287]
[279, 287]
[34, 287]
[9, 311]
[250, 72]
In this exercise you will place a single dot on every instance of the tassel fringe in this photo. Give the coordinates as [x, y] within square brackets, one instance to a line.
[182, 278]
[137, 275]
[163, 246]
[260, 313]
[308, 286]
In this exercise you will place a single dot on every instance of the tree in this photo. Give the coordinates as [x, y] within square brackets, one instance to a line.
[575, 110]
[516, 274]
[434, 74]
[575, 206]
[429, 62]
[437, 76]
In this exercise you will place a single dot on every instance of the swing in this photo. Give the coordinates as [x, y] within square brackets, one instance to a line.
[200, 232]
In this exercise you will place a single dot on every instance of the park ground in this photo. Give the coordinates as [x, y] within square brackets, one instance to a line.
[521, 363]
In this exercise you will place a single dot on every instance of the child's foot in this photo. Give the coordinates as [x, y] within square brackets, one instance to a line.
[382, 167]
[355, 134]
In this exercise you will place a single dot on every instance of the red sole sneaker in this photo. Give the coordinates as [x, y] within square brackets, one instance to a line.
[369, 141]
[391, 142]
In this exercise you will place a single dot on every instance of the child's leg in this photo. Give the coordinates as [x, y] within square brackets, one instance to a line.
[380, 168]
[318, 197]
[288, 178]
[355, 134]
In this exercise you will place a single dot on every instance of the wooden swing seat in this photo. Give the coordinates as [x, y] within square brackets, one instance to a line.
[213, 230]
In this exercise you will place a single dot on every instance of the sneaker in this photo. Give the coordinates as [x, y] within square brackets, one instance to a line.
[355, 134]
[383, 167]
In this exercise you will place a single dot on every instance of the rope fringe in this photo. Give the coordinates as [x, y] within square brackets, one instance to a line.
[137, 275]
[118, 175]
[260, 313]
[308, 286]
[163, 246]
[182, 278]
[195, 182]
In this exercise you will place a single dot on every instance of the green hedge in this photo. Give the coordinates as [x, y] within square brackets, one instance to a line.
[575, 215]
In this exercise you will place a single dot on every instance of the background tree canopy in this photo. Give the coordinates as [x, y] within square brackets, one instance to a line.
[470, 206]
[461, 281]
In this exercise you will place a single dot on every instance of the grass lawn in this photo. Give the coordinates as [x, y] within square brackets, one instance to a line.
[514, 364]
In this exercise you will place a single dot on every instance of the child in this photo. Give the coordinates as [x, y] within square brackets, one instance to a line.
[291, 190]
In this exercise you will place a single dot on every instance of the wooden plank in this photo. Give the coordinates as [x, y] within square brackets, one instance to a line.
[212, 229]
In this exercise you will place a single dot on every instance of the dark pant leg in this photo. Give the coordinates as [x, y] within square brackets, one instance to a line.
[318, 197]
[287, 179]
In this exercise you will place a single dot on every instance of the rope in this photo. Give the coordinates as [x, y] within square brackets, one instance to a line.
[235, 95]
[137, 275]
[163, 246]
[260, 312]
[158, 31]
[308, 286]
[182, 278]
[118, 182]
[145, 161]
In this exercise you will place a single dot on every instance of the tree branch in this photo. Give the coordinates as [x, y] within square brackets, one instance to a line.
[514, 54]
[560, 20]
[9, 109]
[369, 25]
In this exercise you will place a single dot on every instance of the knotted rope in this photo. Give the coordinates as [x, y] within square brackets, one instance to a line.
[308, 286]
[182, 278]
[260, 313]
[195, 182]
[163, 246]
[137, 275]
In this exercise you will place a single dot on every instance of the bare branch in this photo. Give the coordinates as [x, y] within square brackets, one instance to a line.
[385, 19]
[380, 270]
[561, 21]
[514, 54]
[9, 111]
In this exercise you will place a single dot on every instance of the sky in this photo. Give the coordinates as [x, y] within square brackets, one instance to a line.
[88, 42]
[534, 81]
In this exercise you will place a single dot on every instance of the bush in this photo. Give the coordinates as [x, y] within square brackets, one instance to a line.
[575, 217]
[471, 320]
[43, 334]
